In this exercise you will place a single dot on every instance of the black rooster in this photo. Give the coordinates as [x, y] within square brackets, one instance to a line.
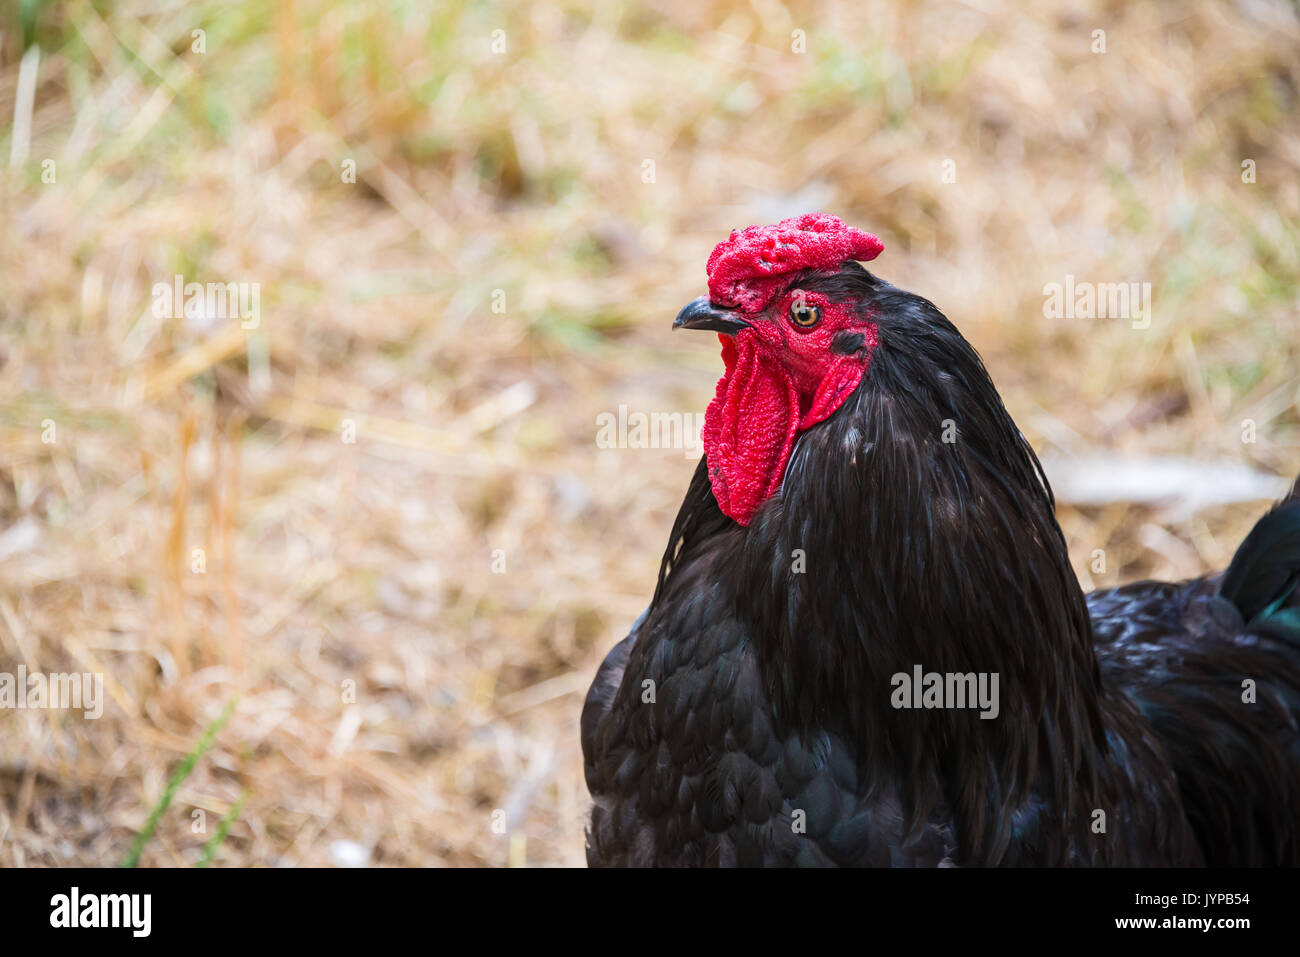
[866, 511]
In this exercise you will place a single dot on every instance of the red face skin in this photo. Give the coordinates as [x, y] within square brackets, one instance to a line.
[819, 374]
[781, 378]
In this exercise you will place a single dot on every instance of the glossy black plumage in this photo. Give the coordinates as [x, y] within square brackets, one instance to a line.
[746, 719]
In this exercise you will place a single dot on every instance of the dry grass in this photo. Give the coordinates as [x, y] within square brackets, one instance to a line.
[332, 565]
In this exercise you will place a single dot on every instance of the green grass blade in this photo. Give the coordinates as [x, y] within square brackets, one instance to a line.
[210, 848]
[182, 772]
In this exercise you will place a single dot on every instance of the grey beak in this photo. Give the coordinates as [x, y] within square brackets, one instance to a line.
[702, 314]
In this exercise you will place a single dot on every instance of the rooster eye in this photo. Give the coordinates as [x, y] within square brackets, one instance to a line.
[804, 315]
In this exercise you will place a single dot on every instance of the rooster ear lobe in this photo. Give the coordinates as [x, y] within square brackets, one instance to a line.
[843, 376]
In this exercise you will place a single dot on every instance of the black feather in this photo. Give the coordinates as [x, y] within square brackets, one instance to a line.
[1264, 573]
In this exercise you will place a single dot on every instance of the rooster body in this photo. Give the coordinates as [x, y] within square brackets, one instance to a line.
[859, 517]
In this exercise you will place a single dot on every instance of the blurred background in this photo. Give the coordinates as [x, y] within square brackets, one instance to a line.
[378, 520]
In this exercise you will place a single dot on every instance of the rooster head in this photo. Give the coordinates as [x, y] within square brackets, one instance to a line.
[792, 355]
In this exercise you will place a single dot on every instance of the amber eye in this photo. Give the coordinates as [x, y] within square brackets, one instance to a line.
[804, 315]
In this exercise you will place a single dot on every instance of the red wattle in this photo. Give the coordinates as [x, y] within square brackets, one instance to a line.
[749, 429]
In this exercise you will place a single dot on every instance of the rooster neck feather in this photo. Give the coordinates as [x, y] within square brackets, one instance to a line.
[928, 537]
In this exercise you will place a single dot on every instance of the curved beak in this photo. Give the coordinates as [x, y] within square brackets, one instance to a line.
[702, 314]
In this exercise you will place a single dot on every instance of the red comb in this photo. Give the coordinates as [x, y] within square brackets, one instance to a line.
[739, 267]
